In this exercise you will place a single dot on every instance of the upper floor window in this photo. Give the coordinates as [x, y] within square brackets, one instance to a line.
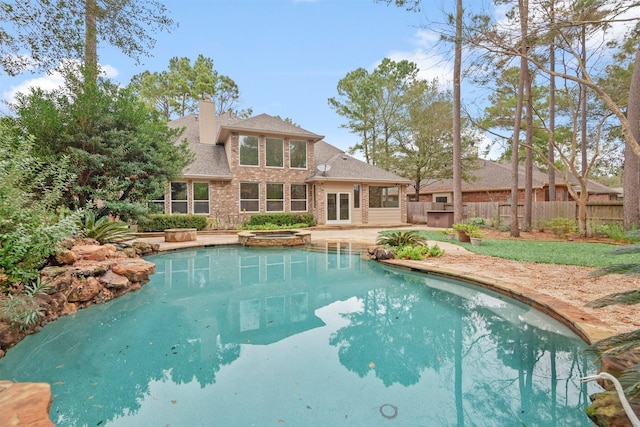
[249, 197]
[275, 198]
[248, 147]
[298, 154]
[384, 197]
[275, 152]
[298, 197]
[201, 198]
[179, 197]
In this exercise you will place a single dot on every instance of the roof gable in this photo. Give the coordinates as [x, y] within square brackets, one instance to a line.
[264, 123]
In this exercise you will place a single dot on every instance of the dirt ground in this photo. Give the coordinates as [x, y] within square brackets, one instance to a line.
[566, 283]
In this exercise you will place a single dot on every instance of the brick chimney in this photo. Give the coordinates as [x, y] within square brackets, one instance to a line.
[207, 121]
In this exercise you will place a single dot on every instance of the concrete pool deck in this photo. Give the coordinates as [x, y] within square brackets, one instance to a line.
[585, 325]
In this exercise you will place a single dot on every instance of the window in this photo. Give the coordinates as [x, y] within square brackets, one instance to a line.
[298, 154]
[249, 197]
[248, 150]
[201, 198]
[298, 197]
[356, 196]
[179, 197]
[275, 152]
[275, 197]
[384, 197]
[442, 199]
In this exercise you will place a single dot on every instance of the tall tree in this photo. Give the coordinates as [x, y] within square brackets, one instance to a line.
[568, 25]
[177, 92]
[372, 103]
[123, 154]
[423, 145]
[39, 34]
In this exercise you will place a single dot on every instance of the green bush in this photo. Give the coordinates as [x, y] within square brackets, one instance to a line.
[103, 229]
[418, 252]
[613, 231]
[161, 222]
[279, 220]
[475, 221]
[561, 227]
[30, 228]
[401, 238]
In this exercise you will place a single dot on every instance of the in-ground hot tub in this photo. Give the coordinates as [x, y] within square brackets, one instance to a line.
[274, 237]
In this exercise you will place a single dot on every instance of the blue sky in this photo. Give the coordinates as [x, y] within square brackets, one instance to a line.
[286, 56]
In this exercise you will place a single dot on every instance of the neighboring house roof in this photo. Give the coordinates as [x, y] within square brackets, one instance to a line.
[343, 167]
[263, 123]
[496, 176]
[210, 160]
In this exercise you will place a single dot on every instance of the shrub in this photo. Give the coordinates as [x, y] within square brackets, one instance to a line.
[475, 221]
[103, 230]
[161, 222]
[418, 252]
[613, 231]
[562, 227]
[21, 310]
[30, 228]
[401, 238]
[280, 220]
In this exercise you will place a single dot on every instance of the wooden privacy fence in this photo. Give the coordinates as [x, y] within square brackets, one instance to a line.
[597, 212]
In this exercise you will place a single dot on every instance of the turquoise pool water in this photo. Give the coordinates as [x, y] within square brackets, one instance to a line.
[265, 337]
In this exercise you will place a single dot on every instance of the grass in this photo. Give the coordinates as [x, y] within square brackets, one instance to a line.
[560, 252]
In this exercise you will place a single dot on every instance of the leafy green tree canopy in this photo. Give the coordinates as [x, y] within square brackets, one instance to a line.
[121, 152]
[176, 92]
[39, 34]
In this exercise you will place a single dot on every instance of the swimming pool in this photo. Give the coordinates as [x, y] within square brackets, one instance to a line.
[243, 336]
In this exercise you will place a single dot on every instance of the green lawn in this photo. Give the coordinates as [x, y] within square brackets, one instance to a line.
[560, 252]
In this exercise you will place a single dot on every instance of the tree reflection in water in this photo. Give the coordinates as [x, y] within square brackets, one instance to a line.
[242, 322]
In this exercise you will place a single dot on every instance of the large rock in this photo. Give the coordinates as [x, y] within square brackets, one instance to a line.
[134, 269]
[83, 290]
[114, 281]
[94, 252]
[25, 404]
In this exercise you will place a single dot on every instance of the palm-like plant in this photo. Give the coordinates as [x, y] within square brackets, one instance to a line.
[401, 238]
[103, 229]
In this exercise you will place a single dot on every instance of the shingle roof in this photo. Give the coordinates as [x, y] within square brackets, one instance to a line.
[492, 176]
[266, 124]
[344, 167]
[210, 160]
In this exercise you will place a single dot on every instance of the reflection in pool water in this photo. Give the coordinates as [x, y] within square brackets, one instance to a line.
[236, 336]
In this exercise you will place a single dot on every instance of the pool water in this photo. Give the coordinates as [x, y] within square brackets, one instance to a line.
[237, 336]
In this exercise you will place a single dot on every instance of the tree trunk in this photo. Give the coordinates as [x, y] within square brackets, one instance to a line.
[457, 135]
[528, 166]
[515, 142]
[91, 42]
[631, 178]
[552, 110]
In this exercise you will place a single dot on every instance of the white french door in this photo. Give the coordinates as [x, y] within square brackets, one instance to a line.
[338, 207]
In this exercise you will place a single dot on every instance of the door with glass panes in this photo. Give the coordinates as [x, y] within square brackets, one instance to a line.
[338, 207]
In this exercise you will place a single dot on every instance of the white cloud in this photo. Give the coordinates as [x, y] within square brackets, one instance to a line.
[431, 63]
[50, 81]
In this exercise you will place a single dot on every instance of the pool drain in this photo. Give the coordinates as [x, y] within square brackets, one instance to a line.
[389, 411]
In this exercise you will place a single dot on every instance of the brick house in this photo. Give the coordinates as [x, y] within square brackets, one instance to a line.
[265, 165]
[493, 184]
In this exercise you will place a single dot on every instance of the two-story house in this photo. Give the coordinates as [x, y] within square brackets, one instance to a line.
[266, 165]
